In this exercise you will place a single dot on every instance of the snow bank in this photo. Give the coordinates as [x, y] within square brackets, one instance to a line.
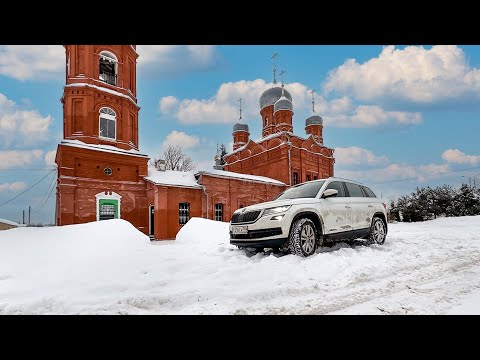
[199, 232]
[109, 267]
[60, 261]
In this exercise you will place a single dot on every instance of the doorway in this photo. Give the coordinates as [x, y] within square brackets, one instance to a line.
[151, 212]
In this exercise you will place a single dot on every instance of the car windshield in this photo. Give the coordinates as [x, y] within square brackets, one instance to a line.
[306, 190]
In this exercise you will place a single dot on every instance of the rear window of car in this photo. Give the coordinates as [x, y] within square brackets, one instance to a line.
[337, 185]
[354, 190]
[369, 192]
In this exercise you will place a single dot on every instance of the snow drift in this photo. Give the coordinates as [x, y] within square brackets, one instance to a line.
[109, 267]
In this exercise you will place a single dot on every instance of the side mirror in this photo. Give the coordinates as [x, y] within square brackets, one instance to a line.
[329, 193]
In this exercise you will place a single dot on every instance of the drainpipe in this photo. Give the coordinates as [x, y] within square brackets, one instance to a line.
[289, 160]
[206, 195]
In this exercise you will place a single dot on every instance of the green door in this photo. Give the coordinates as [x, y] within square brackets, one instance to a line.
[107, 209]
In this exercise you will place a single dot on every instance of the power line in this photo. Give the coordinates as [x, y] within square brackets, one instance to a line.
[48, 189]
[23, 192]
[51, 191]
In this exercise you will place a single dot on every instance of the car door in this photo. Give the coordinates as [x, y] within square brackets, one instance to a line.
[372, 201]
[335, 210]
[360, 211]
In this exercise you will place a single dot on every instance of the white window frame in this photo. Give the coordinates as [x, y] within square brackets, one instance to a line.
[107, 116]
[218, 211]
[103, 196]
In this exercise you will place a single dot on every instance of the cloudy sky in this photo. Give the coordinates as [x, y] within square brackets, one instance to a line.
[398, 116]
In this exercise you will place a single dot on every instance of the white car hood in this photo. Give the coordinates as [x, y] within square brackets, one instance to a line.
[272, 204]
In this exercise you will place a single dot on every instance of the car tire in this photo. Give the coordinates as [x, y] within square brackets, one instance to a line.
[303, 238]
[378, 232]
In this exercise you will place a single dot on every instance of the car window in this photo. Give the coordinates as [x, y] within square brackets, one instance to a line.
[337, 185]
[354, 190]
[305, 190]
[369, 192]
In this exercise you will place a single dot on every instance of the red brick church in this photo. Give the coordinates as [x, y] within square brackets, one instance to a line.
[103, 175]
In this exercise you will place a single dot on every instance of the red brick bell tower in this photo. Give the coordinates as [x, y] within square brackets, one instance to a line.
[100, 170]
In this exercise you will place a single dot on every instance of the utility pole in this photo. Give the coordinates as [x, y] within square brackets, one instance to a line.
[29, 214]
[23, 222]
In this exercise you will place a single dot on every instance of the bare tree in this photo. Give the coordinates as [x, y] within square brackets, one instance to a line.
[175, 159]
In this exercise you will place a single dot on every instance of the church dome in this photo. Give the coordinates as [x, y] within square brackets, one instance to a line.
[240, 127]
[283, 104]
[314, 120]
[271, 96]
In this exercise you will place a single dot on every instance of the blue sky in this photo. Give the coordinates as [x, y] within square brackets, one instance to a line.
[398, 116]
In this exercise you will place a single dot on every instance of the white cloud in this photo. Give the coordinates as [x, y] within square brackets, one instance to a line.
[14, 159]
[222, 108]
[21, 126]
[32, 62]
[369, 116]
[167, 60]
[458, 157]
[50, 157]
[38, 62]
[412, 74]
[357, 156]
[179, 138]
[363, 165]
[15, 187]
[396, 172]
[168, 104]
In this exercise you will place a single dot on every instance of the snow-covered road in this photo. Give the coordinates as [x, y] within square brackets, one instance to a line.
[423, 268]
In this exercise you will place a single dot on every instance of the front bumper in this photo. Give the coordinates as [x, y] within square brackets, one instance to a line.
[272, 243]
[264, 232]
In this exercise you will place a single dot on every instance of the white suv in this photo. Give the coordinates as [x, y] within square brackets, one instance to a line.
[306, 215]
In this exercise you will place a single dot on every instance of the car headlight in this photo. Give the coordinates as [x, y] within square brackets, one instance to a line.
[276, 210]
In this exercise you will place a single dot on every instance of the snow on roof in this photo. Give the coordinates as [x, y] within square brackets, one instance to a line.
[105, 148]
[172, 178]
[229, 174]
[8, 222]
[102, 89]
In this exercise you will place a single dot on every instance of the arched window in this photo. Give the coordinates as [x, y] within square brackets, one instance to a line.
[266, 120]
[108, 124]
[108, 68]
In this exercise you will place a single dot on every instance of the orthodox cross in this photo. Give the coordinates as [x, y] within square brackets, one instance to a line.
[274, 67]
[240, 101]
[313, 100]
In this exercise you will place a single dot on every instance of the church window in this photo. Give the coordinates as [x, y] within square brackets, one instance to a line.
[295, 178]
[218, 212]
[266, 121]
[183, 213]
[108, 123]
[308, 177]
[108, 68]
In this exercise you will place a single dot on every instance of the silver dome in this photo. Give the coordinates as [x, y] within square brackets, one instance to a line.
[270, 96]
[240, 127]
[283, 104]
[314, 120]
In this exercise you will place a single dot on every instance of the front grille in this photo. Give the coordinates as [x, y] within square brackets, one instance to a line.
[256, 234]
[245, 217]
